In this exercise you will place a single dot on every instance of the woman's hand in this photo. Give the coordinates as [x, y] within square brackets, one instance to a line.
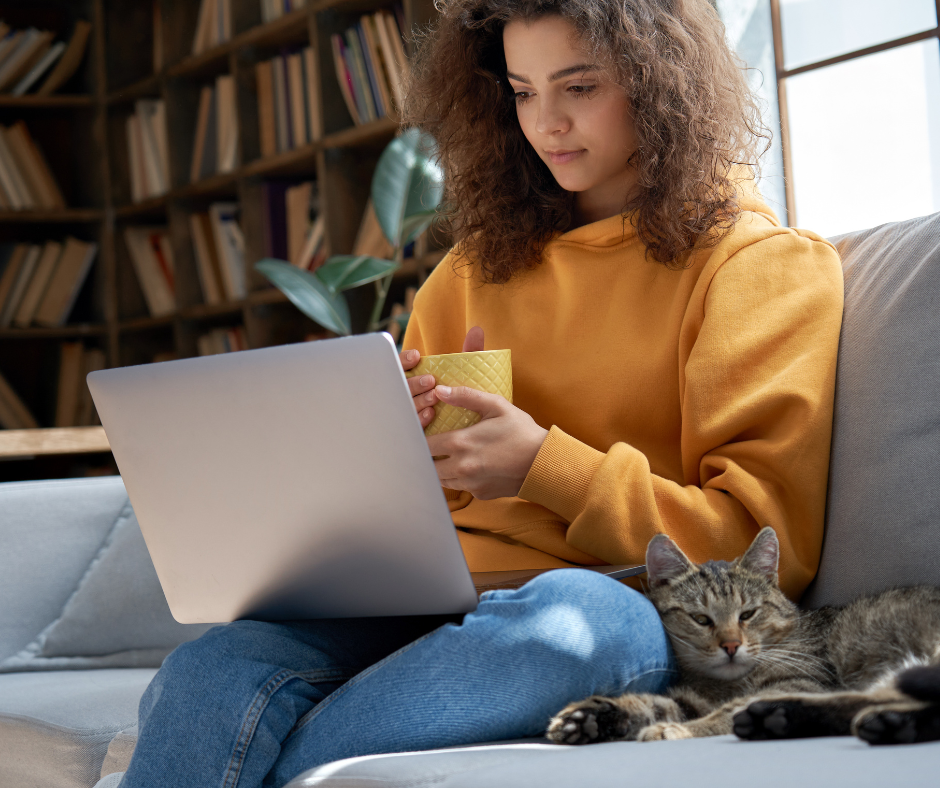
[491, 458]
[422, 388]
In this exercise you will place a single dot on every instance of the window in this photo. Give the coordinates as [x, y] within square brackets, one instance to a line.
[859, 95]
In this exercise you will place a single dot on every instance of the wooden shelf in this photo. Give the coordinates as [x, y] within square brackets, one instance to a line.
[66, 216]
[56, 332]
[46, 102]
[56, 440]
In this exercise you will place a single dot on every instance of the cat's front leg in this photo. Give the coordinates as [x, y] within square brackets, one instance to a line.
[599, 719]
[717, 723]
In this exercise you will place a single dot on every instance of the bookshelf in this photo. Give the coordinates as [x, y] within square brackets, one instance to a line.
[82, 131]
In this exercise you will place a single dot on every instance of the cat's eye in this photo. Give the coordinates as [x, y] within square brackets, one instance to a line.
[747, 614]
[700, 618]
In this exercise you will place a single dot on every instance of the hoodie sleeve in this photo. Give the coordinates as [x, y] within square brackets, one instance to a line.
[757, 360]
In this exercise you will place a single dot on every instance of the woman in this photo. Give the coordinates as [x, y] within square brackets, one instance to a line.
[673, 359]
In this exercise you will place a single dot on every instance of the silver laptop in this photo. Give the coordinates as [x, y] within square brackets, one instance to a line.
[289, 482]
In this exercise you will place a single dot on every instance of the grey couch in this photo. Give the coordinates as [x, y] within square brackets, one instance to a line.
[83, 624]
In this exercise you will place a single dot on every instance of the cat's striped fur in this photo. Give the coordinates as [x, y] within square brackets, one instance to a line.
[751, 662]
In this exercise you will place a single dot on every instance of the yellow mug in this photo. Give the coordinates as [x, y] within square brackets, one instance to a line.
[486, 370]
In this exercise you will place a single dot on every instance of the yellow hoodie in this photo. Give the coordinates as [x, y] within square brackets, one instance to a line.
[693, 402]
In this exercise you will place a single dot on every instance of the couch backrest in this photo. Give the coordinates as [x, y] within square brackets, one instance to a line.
[883, 512]
[49, 533]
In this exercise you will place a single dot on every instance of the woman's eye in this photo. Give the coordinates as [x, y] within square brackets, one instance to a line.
[521, 97]
[746, 615]
[704, 620]
[582, 90]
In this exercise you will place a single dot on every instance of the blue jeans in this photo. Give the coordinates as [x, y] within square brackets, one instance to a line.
[256, 703]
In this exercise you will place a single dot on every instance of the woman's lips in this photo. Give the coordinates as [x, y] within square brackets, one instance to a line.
[563, 156]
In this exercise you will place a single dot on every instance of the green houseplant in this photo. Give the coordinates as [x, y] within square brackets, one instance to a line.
[406, 191]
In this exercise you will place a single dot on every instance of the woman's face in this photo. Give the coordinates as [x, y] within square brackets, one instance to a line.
[576, 117]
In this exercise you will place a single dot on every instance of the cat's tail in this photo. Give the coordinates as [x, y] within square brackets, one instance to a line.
[922, 683]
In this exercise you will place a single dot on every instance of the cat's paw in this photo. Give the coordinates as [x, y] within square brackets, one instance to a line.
[898, 725]
[762, 720]
[664, 730]
[587, 721]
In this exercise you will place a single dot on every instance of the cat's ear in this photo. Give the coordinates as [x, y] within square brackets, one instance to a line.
[665, 561]
[763, 556]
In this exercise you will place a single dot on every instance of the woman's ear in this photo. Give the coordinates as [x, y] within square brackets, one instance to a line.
[763, 556]
[665, 561]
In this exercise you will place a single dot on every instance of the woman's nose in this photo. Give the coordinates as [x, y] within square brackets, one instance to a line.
[552, 119]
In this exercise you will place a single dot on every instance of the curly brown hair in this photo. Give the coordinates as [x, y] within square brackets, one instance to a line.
[695, 119]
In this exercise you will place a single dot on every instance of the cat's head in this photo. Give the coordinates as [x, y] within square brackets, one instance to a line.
[720, 615]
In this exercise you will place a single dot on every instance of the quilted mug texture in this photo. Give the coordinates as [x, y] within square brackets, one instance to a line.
[485, 370]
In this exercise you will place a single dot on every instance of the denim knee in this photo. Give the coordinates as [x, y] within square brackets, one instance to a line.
[593, 623]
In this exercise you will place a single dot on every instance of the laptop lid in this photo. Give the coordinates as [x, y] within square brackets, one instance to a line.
[289, 482]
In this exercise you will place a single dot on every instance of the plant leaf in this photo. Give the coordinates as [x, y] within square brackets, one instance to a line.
[412, 226]
[308, 294]
[408, 181]
[345, 271]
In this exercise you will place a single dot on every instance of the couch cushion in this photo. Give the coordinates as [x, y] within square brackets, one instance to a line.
[55, 727]
[704, 763]
[117, 617]
[883, 512]
[51, 531]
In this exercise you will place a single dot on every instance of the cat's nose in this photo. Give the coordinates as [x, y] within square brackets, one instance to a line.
[730, 646]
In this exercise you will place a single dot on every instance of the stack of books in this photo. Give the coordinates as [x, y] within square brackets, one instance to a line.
[74, 405]
[222, 340]
[26, 182]
[371, 64]
[14, 415]
[148, 150]
[40, 282]
[215, 146]
[288, 113]
[213, 25]
[292, 226]
[219, 248]
[275, 9]
[152, 258]
[30, 60]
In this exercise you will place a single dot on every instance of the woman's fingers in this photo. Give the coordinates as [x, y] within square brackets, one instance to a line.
[409, 359]
[474, 340]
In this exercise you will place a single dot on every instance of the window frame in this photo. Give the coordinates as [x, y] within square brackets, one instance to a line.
[783, 74]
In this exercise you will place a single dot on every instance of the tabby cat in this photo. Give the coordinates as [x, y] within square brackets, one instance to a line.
[751, 663]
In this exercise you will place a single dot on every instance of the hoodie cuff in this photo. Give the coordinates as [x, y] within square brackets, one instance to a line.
[561, 474]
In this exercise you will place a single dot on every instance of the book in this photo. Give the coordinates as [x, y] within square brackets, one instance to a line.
[154, 274]
[311, 80]
[281, 105]
[42, 65]
[227, 123]
[344, 78]
[70, 60]
[71, 366]
[376, 63]
[24, 274]
[206, 26]
[207, 259]
[37, 284]
[396, 40]
[230, 245]
[33, 166]
[151, 119]
[357, 68]
[19, 194]
[392, 72]
[267, 127]
[222, 340]
[11, 271]
[14, 415]
[295, 89]
[274, 219]
[205, 130]
[370, 239]
[28, 52]
[314, 252]
[93, 360]
[297, 201]
[370, 71]
[135, 159]
[66, 282]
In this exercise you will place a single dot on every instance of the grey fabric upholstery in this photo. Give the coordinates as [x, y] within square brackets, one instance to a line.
[703, 763]
[883, 513]
[51, 531]
[117, 617]
[55, 727]
[119, 752]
